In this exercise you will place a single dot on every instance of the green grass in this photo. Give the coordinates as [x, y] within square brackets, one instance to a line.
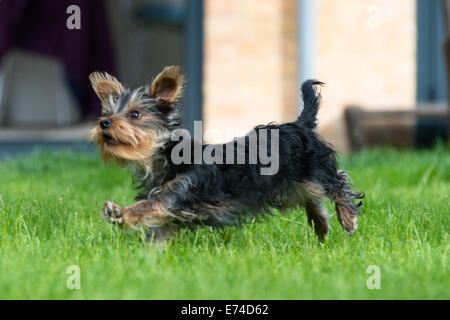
[49, 204]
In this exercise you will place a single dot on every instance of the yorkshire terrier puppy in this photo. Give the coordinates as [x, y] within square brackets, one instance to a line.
[136, 130]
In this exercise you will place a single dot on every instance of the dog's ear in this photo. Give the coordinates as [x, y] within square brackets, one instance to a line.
[107, 88]
[168, 86]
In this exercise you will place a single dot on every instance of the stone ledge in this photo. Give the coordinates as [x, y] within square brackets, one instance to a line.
[77, 133]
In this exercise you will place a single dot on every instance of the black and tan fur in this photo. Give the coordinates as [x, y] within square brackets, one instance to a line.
[135, 131]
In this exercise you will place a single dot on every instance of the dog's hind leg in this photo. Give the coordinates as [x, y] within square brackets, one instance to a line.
[347, 214]
[347, 211]
[158, 235]
[311, 194]
[317, 217]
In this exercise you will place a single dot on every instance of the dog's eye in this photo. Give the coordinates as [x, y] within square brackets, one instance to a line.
[135, 115]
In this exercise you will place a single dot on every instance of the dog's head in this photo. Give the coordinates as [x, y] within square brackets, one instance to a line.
[133, 123]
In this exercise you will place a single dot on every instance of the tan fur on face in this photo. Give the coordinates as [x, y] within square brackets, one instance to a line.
[133, 142]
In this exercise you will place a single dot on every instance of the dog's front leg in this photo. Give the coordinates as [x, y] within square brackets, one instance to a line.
[143, 214]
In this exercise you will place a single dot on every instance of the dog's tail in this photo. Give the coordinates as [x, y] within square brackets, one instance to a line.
[311, 101]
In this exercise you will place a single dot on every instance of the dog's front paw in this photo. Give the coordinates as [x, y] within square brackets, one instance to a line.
[112, 213]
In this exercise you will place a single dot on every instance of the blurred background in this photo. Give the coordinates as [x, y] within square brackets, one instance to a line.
[385, 65]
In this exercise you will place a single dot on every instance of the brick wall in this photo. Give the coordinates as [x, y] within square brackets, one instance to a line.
[366, 54]
[250, 65]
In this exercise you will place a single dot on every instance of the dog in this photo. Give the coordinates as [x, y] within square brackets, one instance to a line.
[136, 130]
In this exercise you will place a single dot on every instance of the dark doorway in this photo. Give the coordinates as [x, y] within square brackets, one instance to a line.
[431, 71]
[431, 74]
[161, 33]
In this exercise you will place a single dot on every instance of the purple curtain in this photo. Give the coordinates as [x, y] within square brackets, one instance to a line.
[40, 27]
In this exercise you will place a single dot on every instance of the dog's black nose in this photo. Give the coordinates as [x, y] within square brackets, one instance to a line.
[105, 124]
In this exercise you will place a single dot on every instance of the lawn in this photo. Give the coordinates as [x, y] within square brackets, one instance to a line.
[49, 205]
